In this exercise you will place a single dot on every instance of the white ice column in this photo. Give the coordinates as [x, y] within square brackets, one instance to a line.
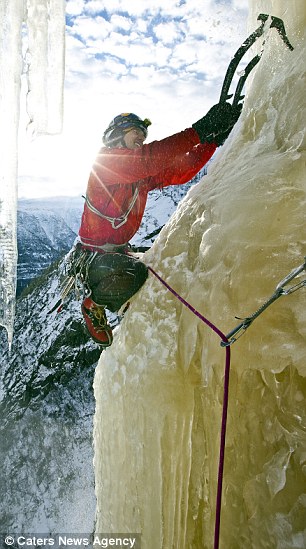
[45, 58]
[11, 18]
[42, 23]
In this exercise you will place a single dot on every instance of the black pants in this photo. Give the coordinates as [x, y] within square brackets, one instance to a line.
[115, 277]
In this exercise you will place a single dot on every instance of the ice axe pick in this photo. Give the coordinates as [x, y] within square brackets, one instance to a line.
[276, 23]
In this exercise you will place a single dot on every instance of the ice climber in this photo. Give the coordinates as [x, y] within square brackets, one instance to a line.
[124, 172]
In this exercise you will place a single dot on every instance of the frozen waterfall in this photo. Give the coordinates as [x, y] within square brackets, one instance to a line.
[39, 27]
[159, 387]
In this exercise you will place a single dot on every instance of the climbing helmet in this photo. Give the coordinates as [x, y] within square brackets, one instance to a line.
[120, 125]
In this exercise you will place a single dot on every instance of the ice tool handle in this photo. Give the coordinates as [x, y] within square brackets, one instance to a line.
[276, 23]
[281, 289]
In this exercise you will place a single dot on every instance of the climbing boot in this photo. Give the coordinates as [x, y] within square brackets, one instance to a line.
[96, 322]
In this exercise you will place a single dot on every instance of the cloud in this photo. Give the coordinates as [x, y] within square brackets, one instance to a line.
[89, 27]
[121, 22]
[75, 7]
[169, 32]
[136, 8]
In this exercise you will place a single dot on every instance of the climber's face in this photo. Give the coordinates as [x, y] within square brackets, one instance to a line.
[134, 138]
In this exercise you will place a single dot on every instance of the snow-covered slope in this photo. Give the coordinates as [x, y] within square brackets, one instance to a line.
[46, 407]
[159, 387]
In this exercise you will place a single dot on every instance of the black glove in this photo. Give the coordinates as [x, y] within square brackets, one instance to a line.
[218, 123]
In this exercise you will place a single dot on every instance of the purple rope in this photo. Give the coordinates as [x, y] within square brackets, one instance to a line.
[225, 402]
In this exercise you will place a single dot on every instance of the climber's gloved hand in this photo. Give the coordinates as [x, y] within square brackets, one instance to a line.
[218, 123]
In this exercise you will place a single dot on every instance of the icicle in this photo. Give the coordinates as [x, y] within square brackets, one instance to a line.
[45, 57]
[11, 17]
[45, 25]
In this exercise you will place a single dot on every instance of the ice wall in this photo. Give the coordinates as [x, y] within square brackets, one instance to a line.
[41, 24]
[159, 387]
[11, 17]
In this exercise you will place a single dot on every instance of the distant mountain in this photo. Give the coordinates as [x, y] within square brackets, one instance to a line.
[46, 229]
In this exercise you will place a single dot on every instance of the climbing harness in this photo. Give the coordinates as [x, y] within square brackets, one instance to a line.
[276, 23]
[116, 222]
[74, 272]
[226, 341]
[280, 290]
[104, 248]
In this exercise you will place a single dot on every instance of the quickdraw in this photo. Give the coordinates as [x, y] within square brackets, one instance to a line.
[280, 290]
[226, 342]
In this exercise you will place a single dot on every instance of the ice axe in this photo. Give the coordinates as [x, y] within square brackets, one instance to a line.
[276, 23]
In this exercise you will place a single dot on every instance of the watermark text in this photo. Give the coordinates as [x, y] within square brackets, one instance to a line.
[73, 541]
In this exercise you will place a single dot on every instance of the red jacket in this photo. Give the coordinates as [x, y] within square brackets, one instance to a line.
[121, 178]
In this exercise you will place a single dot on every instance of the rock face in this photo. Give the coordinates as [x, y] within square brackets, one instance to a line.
[159, 387]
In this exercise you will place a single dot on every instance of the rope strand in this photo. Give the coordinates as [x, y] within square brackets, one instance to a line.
[225, 401]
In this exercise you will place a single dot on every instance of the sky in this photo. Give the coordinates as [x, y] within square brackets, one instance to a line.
[161, 60]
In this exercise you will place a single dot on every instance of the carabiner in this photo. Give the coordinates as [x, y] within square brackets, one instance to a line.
[294, 273]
